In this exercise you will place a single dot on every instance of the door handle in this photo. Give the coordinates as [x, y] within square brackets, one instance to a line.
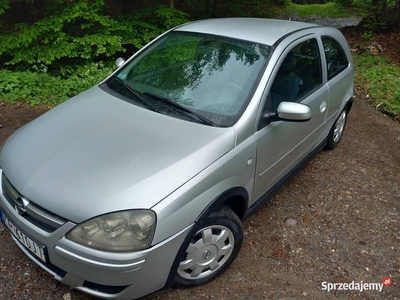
[323, 106]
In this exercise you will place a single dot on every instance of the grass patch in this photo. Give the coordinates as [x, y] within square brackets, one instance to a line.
[380, 80]
[330, 9]
[39, 87]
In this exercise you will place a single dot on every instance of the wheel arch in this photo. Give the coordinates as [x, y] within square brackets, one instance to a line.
[349, 104]
[235, 198]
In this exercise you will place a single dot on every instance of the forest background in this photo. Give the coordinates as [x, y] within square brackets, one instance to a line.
[51, 50]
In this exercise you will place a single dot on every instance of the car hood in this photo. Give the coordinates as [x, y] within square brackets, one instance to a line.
[96, 154]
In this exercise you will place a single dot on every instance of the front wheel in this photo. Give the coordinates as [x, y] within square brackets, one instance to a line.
[211, 249]
[337, 130]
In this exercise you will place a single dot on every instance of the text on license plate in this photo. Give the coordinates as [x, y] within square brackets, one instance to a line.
[32, 246]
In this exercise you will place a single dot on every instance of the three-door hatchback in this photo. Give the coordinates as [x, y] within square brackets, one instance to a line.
[143, 180]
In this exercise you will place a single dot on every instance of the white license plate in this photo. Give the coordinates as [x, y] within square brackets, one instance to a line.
[31, 245]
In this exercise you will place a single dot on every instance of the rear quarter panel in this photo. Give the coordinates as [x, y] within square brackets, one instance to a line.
[342, 85]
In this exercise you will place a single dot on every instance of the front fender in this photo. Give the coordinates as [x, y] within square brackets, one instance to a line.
[207, 190]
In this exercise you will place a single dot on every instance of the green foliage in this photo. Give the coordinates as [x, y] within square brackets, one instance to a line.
[262, 8]
[168, 18]
[79, 31]
[40, 87]
[329, 9]
[62, 46]
[381, 81]
[368, 36]
[4, 5]
[345, 3]
[203, 9]
[381, 16]
[137, 30]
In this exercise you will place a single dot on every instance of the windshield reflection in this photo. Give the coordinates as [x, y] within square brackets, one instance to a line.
[213, 75]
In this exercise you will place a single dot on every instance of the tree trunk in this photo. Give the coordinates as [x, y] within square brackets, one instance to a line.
[215, 5]
[384, 5]
[129, 6]
[209, 7]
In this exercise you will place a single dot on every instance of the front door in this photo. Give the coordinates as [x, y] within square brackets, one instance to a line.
[282, 145]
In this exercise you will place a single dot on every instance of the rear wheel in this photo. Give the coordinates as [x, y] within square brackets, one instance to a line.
[211, 249]
[336, 133]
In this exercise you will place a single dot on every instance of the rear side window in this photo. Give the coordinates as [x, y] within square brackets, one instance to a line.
[336, 59]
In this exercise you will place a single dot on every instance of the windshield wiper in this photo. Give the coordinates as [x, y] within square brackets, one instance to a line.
[136, 93]
[188, 111]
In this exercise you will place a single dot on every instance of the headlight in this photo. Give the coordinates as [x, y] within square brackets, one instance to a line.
[117, 232]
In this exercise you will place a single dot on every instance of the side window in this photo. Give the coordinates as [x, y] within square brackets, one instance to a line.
[336, 59]
[299, 75]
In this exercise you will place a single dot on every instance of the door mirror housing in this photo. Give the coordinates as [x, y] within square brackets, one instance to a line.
[293, 111]
[290, 111]
[119, 62]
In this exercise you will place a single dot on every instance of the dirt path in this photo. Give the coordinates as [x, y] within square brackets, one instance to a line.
[345, 202]
[326, 21]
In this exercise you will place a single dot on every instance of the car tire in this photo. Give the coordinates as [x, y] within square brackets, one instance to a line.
[211, 249]
[336, 133]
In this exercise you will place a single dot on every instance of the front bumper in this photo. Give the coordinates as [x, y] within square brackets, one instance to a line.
[102, 274]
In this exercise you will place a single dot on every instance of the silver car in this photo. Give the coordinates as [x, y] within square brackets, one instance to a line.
[144, 180]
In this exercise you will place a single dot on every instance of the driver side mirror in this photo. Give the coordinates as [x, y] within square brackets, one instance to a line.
[290, 111]
[293, 111]
[119, 62]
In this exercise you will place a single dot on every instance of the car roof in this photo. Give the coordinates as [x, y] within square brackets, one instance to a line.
[264, 31]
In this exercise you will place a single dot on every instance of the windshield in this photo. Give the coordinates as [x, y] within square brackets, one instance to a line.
[213, 77]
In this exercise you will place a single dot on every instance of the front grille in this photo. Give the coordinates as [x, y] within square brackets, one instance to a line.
[31, 212]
